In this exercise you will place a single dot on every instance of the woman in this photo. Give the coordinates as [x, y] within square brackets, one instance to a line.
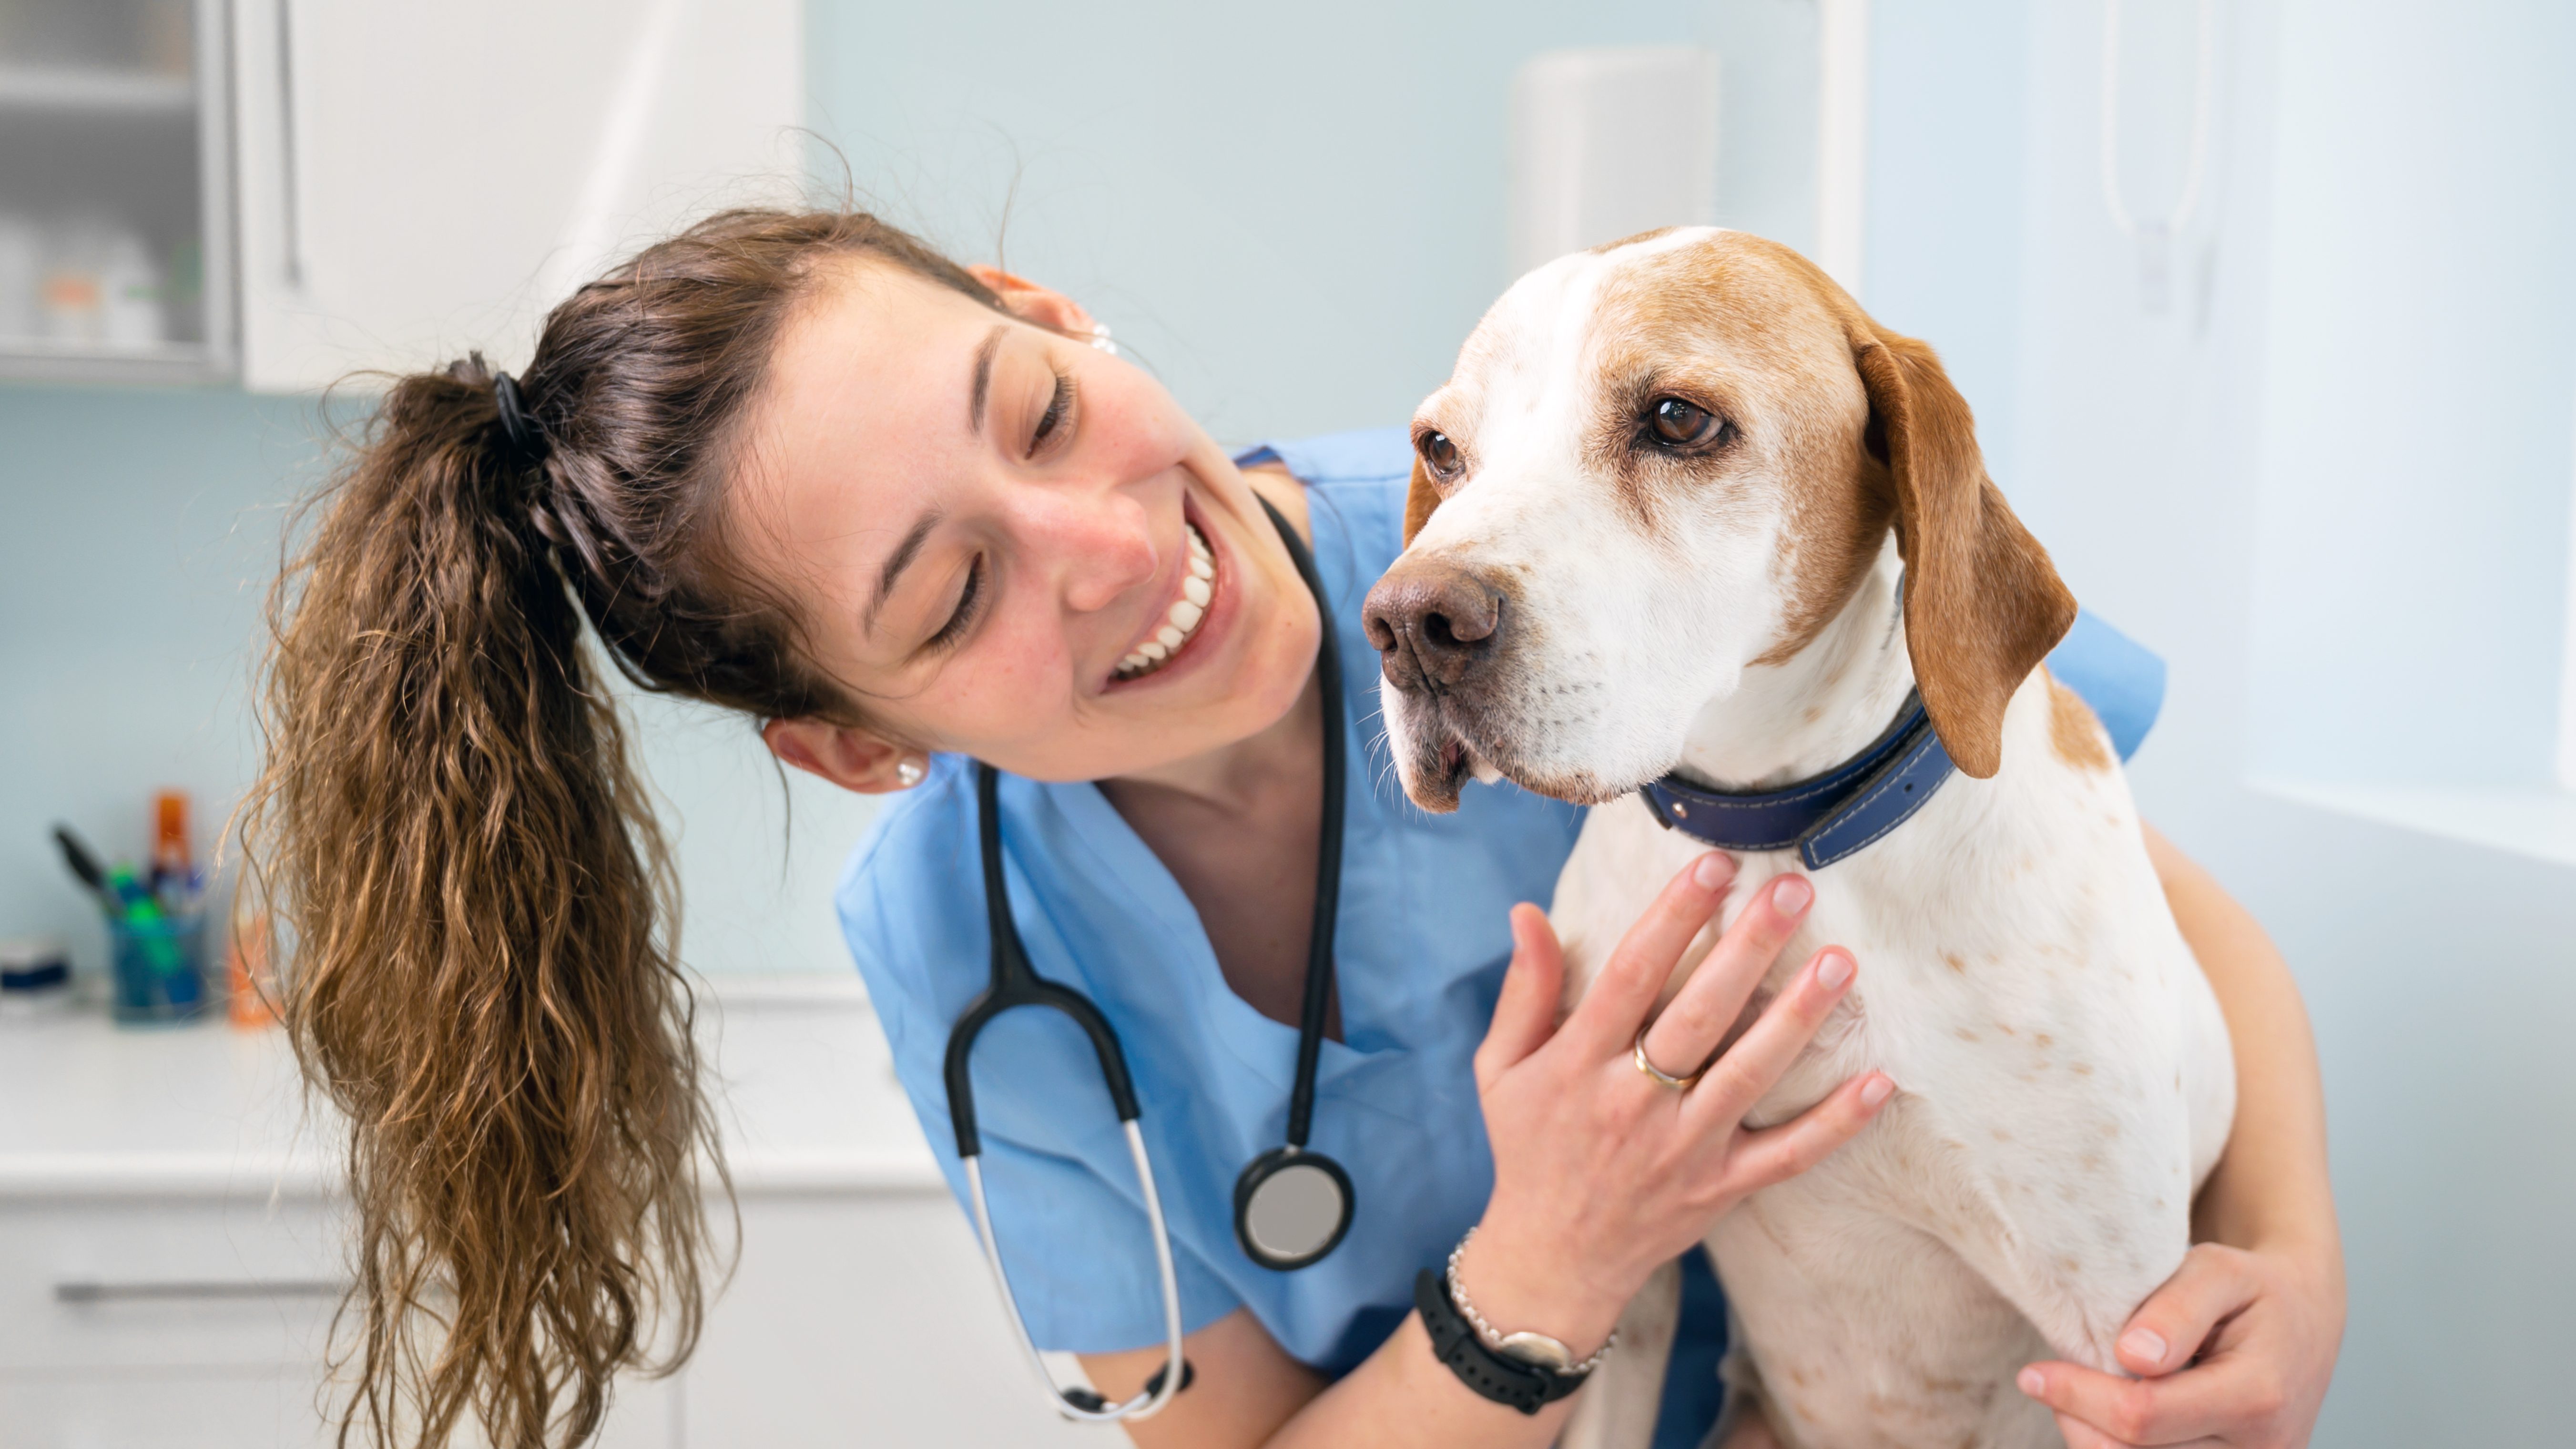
[901, 513]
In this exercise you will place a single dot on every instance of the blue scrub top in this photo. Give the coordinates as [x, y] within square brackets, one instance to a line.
[1421, 946]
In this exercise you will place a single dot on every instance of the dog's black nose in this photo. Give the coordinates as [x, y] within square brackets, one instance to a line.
[1433, 621]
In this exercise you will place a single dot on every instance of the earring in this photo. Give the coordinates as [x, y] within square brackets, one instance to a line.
[909, 770]
[1100, 338]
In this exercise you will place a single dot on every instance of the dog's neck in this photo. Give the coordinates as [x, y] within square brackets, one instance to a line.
[1787, 721]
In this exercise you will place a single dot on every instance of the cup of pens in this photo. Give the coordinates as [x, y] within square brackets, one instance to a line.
[156, 921]
[157, 965]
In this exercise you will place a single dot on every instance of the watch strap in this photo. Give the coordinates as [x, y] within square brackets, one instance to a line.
[1527, 1387]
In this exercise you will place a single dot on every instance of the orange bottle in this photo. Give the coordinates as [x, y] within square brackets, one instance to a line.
[170, 861]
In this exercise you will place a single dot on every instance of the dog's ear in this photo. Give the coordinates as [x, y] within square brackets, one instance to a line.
[1419, 499]
[1983, 605]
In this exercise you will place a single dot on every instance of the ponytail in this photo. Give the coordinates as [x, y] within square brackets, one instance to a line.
[481, 912]
[483, 981]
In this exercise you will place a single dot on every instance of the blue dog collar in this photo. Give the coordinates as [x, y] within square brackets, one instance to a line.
[1825, 817]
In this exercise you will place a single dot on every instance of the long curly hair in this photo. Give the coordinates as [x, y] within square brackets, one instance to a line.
[450, 829]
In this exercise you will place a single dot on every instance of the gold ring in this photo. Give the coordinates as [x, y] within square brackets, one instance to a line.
[1662, 1077]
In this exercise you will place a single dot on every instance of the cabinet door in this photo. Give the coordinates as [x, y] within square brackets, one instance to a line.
[418, 181]
[866, 1320]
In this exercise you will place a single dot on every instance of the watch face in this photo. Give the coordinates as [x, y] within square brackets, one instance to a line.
[1539, 1349]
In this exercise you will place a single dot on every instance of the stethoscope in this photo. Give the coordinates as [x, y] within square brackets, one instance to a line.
[1292, 1204]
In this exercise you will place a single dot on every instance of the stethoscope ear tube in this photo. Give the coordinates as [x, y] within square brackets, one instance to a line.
[1175, 1374]
[1016, 983]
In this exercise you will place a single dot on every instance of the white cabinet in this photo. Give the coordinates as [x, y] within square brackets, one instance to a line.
[418, 181]
[172, 1249]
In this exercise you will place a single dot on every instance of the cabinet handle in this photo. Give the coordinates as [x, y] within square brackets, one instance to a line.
[289, 201]
[182, 1290]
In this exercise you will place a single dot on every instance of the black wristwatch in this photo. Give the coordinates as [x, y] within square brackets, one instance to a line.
[1528, 1387]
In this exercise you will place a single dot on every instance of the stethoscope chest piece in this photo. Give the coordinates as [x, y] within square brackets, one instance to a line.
[1291, 1207]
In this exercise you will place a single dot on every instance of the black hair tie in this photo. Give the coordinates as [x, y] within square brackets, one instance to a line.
[527, 440]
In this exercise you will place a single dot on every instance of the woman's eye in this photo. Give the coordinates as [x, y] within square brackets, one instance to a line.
[1051, 421]
[1679, 424]
[1438, 453]
[963, 616]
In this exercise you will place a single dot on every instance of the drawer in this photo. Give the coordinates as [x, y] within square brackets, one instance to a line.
[213, 1409]
[259, 1411]
[195, 1284]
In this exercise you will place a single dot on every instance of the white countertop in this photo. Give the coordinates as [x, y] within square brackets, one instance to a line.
[802, 1088]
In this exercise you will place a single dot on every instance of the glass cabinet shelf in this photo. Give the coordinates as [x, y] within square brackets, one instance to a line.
[115, 192]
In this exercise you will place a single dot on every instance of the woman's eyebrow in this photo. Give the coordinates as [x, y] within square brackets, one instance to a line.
[984, 376]
[896, 562]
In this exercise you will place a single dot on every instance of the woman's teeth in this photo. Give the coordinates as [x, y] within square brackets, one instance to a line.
[1197, 587]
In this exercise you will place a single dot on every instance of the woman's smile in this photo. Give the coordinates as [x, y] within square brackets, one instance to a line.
[1190, 593]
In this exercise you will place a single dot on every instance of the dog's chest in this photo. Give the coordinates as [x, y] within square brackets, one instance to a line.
[2062, 1082]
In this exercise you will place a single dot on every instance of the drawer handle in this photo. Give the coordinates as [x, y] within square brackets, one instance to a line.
[180, 1290]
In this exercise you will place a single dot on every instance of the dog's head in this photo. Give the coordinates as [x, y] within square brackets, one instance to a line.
[1659, 464]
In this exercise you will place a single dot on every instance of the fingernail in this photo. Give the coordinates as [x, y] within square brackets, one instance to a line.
[1791, 895]
[1833, 970]
[1875, 1090]
[1712, 871]
[2144, 1343]
[2032, 1382]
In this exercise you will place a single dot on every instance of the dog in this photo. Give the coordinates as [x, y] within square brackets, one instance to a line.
[1683, 506]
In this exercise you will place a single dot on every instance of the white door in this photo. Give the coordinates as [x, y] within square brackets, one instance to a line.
[418, 181]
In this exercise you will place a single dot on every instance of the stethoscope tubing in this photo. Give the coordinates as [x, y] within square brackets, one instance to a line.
[1158, 1391]
[1016, 983]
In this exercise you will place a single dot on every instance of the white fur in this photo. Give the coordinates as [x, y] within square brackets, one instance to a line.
[2063, 1071]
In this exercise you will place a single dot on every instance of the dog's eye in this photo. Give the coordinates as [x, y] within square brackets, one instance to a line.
[1438, 454]
[1679, 424]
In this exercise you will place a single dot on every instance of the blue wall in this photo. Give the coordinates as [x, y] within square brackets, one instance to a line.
[1295, 216]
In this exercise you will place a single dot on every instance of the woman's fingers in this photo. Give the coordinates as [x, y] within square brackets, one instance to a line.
[2151, 1413]
[2213, 1284]
[1614, 1004]
[1525, 1013]
[1776, 1154]
[1758, 1059]
[1686, 1032]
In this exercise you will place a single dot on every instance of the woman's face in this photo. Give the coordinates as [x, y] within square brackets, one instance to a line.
[988, 531]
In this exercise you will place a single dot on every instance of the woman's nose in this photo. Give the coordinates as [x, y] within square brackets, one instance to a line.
[1099, 538]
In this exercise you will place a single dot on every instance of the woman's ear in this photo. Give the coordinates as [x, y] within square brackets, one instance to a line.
[1037, 304]
[848, 757]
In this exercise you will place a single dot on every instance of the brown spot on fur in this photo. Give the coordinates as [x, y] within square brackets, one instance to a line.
[2092, 1162]
[2000, 1134]
[2070, 1265]
[2043, 1039]
[1966, 1035]
[1951, 960]
[2006, 1030]
[2110, 1129]
[2072, 730]
[2082, 1069]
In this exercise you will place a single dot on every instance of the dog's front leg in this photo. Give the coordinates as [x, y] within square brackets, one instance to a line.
[1616, 1410]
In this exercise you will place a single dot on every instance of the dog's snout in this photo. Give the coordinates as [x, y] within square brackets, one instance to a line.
[1433, 621]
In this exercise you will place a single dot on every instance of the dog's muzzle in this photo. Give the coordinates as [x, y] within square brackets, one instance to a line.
[1435, 624]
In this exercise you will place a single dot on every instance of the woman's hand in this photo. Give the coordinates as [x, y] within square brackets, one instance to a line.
[1601, 1174]
[2238, 1346]
[2235, 1349]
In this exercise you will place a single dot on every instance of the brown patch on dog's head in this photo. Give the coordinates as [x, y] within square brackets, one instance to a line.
[1983, 605]
[1737, 325]
[1419, 499]
[2073, 730]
